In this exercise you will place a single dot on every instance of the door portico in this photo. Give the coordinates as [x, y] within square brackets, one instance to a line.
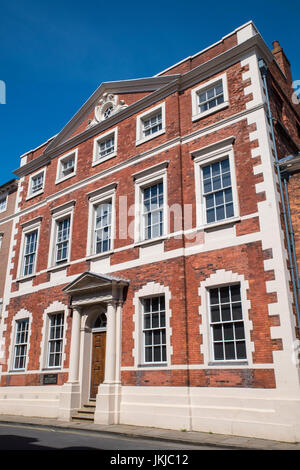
[90, 295]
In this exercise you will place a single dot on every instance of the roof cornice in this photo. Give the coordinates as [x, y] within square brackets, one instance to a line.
[217, 64]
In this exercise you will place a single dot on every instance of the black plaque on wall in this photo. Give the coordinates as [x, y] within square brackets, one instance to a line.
[50, 379]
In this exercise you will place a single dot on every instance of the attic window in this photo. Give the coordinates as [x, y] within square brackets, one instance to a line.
[66, 166]
[150, 124]
[209, 97]
[105, 146]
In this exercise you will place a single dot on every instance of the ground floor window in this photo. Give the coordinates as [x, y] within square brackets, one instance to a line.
[226, 323]
[21, 339]
[154, 329]
[55, 342]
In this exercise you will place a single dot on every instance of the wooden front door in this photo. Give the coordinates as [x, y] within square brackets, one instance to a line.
[98, 361]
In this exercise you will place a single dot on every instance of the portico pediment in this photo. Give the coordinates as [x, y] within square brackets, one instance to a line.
[93, 288]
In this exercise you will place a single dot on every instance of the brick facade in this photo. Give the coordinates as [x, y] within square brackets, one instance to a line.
[188, 258]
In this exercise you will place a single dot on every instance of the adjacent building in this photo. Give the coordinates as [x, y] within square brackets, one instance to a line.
[152, 266]
[8, 193]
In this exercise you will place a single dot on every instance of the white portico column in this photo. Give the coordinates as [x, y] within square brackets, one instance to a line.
[108, 397]
[118, 341]
[75, 347]
[110, 354]
[71, 393]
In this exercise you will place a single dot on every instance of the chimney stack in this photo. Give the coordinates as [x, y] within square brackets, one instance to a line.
[282, 61]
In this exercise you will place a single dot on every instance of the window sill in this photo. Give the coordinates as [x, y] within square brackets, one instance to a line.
[151, 241]
[104, 159]
[229, 363]
[65, 178]
[150, 137]
[158, 364]
[32, 195]
[221, 223]
[58, 267]
[197, 116]
[99, 255]
[25, 278]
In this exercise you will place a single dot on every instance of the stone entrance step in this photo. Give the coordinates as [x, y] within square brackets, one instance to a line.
[86, 413]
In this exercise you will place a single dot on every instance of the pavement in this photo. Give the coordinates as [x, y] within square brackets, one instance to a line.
[184, 437]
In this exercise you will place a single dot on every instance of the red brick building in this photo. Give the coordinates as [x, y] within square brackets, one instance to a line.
[151, 273]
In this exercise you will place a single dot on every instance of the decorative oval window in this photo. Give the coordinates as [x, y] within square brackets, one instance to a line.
[108, 111]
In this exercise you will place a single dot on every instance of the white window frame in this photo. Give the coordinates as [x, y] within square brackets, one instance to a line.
[24, 344]
[67, 156]
[206, 156]
[196, 113]
[151, 330]
[101, 196]
[140, 139]
[3, 197]
[1, 239]
[59, 214]
[54, 308]
[50, 341]
[151, 289]
[27, 228]
[223, 278]
[144, 179]
[100, 139]
[222, 324]
[23, 314]
[30, 193]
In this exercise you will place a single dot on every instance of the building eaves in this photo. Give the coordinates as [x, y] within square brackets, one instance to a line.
[10, 185]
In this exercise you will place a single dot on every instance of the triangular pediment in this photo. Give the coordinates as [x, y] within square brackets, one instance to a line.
[109, 100]
[88, 281]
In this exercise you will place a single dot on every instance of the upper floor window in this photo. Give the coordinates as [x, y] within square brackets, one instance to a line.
[103, 221]
[150, 124]
[153, 207]
[209, 97]
[66, 166]
[217, 191]
[151, 214]
[227, 331]
[30, 253]
[36, 184]
[105, 147]
[216, 188]
[29, 247]
[3, 203]
[62, 240]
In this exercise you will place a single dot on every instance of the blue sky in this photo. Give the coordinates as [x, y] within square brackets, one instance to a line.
[53, 55]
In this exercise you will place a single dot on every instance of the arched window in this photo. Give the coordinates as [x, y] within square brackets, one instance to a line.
[100, 321]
